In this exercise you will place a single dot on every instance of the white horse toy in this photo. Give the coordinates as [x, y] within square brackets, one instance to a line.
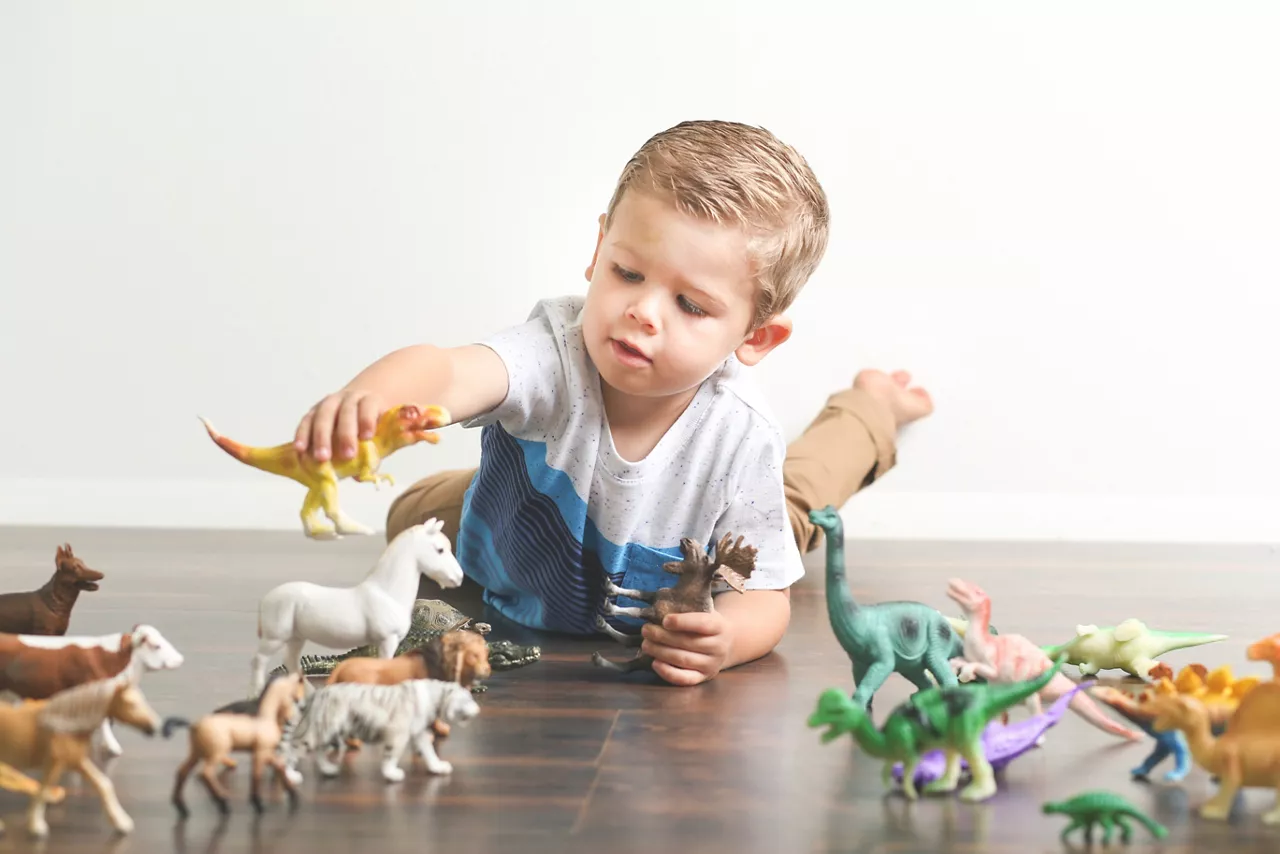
[376, 611]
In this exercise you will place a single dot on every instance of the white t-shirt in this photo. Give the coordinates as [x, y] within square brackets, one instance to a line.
[553, 508]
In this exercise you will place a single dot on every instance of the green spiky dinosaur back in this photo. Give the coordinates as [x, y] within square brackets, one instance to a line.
[909, 638]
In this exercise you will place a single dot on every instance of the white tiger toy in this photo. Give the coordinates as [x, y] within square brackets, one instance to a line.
[390, 714]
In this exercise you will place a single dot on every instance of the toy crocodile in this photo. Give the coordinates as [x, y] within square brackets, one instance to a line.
[431, 618]
[1129, 646]
[398, 427]
[948, 718]
[1108, 809]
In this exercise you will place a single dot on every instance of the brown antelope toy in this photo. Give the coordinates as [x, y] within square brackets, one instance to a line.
[733, 562]
[460, 656]
[215, 736]
[47, 611]
[54, 735]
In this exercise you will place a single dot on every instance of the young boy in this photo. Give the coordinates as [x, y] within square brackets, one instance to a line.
[616, 423]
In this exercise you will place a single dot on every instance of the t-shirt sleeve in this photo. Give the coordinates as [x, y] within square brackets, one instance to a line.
[758, 514]
[536, 375]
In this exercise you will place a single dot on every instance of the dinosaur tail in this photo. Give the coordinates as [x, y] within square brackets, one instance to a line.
[1001, 696]
[1168, 641]
[1084, 706]
[280, 459]
[1159, 831]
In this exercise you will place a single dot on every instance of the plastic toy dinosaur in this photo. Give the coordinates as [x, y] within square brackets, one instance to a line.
[1267, 649]
[909, 638]
[1001, 743]
[1010, 658]
[1108, 809]
[1246, 754]
[948, 718]
[398, 427]
[1129, 646]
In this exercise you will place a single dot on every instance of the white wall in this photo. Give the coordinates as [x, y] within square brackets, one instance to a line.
[1065, 223]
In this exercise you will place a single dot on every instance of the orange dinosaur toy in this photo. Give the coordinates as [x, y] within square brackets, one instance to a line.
[1247, 753]
[398, 427]
[1267, 649]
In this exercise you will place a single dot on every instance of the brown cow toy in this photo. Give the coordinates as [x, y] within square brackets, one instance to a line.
[47, 611]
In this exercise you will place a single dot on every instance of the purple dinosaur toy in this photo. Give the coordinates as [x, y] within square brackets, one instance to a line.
[1002, 743]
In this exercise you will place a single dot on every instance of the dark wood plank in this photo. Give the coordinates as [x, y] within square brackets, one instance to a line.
[565, 757]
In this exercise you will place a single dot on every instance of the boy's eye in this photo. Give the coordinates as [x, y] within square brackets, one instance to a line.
[689, 307]
[629, 275]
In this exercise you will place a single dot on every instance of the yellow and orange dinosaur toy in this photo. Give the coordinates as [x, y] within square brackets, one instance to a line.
[398, 427]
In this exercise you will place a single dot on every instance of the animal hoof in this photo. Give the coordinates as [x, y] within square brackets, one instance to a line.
[441, 767]
[256, 803]
[328, 769]
[38, 829]
[183, 812]
[124, 825]
[1213, 812]
[393, 775]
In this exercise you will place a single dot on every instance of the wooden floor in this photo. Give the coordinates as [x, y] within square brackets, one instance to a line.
[568, 758]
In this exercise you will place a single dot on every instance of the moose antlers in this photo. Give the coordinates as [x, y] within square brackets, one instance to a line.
[735, 562]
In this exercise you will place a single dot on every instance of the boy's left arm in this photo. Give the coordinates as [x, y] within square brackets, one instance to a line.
[692, 648]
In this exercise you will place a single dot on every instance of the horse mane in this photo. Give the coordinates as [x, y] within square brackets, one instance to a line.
[80, 709]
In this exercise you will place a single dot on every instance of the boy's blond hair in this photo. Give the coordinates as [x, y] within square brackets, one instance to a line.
[744, 176]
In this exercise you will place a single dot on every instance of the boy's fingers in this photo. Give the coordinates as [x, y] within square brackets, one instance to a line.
[676, 657]
[302, 437]
[322, 427]
[694, 622]
[367, 416]
[678, 676]
[666, 637]
[345, 437]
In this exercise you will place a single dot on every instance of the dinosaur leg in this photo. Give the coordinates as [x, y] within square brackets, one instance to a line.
[908, 776]
[983, 783]
[1158, 755]
[1126, 829]
[1272, 816]
[342, 523]
[950, 777]
[1219, 806]
[935, 661]
[872, 678]
[620, 637]
[313, 517]
[1108, 826]
[1075, 822]
[1141, 667]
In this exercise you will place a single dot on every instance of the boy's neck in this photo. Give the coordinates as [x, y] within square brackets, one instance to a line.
[637, 424]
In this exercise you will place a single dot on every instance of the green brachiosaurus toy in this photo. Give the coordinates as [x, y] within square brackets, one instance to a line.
[948, 719]
[907, 637]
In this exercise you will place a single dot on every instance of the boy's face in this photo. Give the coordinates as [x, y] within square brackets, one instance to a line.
[671, 297]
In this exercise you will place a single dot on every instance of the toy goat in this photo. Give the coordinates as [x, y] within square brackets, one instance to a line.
[376, 611]
[691, 593]
[47, 611]
[53, 735]
[215, 736]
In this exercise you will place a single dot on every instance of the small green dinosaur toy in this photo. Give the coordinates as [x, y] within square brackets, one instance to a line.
[907, 637]
[950, 719]
[1105, 808]
[1129, 646]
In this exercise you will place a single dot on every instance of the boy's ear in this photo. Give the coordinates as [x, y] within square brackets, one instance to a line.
[591, 268]
[764, 338]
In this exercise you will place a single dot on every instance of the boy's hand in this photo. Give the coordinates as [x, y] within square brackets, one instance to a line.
[893, 390]
[688, 648]
[338, 422]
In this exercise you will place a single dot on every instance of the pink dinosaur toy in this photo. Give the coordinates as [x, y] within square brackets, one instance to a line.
[1013, 658]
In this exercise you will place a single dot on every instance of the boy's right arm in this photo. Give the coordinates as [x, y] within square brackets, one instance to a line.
[467, 381]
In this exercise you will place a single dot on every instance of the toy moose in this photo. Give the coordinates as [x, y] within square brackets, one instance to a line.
[47, 611]
[733, 562]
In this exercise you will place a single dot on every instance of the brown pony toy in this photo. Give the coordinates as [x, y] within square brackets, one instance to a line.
[54, 735]
[47, 611]
[215, 736]
[460, 656]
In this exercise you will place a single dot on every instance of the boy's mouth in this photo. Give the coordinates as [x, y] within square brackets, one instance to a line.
[629, 353]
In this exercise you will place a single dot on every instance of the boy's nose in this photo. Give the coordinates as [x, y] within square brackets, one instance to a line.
[644, 310]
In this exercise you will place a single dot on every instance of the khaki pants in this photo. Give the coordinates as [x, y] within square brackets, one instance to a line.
[847, 447]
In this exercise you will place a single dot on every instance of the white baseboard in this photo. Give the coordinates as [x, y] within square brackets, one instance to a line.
[273, 504]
